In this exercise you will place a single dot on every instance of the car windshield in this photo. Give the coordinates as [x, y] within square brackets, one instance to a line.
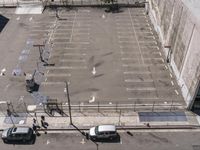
[96, 129]
[10, 131]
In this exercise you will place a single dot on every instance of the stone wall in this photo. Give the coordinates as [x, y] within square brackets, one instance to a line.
[179, 30]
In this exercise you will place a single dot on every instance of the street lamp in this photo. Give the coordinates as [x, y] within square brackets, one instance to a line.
[66, 90]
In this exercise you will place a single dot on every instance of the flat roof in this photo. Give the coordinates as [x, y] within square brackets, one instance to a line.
[102, 128]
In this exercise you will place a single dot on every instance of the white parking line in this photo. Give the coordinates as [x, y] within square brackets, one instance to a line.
[137, 80]
[67, 67]
[134, 98]
[141, 89]
[171, 75]
[177, 93]
[51, 83]
[136, 72]
[134, 65]
[136, 58]
[150, 46]
[58, 75]
[72, 60]
[148, 42]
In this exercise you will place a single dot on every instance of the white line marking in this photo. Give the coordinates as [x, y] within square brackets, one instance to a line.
[58, 75]
[176, 92]
[141, 89]
[72, 60]
[67, 67]
[138, 80]
[52, 83]
[136, 72]
[171, 75]
[172, 83]
[133, 98]
[18, 18]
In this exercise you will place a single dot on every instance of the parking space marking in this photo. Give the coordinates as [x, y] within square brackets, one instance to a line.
[136, 72]
[135, 52]
[52, 83]
[72, 60]
[137, 80]
[18, 18]
[134, 65]
[171, 75]
[172, 83]
[141, 89]
[67, 67]
[177, 93]
[58, 75]
[135, 98]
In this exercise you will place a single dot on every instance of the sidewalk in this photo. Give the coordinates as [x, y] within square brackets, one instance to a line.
[87, 120]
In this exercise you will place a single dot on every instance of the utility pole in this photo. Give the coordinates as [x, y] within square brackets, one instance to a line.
[66, 90]
[9, 113]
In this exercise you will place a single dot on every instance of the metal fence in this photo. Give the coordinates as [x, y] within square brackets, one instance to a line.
[8, 3]
[97, 107]
[128, 106]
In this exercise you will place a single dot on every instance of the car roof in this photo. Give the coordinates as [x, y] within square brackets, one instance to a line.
[20, 130]
[103, 128]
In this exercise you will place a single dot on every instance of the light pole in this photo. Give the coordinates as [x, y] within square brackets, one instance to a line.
[9, 113]
[66, 90]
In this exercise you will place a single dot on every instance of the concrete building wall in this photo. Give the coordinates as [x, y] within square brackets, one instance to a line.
[179, 29]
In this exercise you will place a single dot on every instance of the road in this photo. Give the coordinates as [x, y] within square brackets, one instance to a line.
[139, 141]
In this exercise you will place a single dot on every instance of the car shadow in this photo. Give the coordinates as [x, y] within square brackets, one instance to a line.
[29, 142]
[114, 140]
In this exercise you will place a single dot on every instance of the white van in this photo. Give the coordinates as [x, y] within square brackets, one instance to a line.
[103, 132]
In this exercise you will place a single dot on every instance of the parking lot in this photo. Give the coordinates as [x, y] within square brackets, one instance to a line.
[105, 57]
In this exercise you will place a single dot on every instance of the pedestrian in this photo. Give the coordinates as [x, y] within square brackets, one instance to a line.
[35, 127]
[57, 16]
[44, 124]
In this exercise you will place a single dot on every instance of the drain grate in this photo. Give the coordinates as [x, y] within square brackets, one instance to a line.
[162, 116]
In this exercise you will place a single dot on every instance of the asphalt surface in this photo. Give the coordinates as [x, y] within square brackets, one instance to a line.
[136, 141]
[106, 57]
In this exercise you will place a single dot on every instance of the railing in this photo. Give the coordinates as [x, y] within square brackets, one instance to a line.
[9, 3]
[99, 107]
[117, 106]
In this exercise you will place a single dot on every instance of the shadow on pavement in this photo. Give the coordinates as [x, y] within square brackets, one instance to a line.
[114, 140]
[3, 22]
[30, 142]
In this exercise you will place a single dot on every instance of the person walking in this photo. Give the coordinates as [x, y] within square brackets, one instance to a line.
[44, 124]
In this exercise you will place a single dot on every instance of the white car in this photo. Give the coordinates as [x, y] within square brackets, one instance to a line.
[103, 132]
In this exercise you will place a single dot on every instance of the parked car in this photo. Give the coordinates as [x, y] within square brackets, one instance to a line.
[21, 134]
[103, 132]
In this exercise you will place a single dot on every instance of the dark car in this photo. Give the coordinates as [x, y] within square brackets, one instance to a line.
[21, 134]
